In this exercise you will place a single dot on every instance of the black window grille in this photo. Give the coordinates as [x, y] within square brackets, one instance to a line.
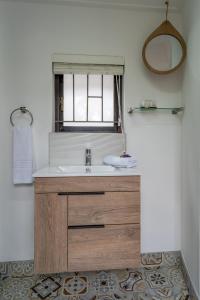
[88, 103]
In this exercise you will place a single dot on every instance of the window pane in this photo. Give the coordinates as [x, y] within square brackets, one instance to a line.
[93, 98]
[95, 85]
[94, 109]
[89, 124]
[80, 94]
[108, 98]
[68, 97]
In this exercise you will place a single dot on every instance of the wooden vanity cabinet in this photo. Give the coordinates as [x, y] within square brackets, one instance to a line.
[86, 223]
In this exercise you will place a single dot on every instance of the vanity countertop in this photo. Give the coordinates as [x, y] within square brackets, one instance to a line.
[68, 171]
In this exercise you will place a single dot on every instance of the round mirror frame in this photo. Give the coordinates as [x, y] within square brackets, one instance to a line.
[166, 28]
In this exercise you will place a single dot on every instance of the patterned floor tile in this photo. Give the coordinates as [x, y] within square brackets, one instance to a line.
[104, 283]
[76, 285]
[16, 288]
[134, 282]
[172, 259]
[177, 277]
[46, 287]
[159, 277]
[151, 259]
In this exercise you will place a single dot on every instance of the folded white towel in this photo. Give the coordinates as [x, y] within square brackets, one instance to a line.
[120, 162]
[22, 155]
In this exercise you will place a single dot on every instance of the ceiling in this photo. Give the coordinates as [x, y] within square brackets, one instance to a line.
[134, 4]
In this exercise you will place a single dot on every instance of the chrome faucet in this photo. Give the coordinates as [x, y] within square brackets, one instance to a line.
[88, 157]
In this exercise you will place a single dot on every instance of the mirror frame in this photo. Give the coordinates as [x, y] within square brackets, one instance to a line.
[166, 28]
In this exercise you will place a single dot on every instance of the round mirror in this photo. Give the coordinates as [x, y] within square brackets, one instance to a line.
[165, 50]
[164, 53]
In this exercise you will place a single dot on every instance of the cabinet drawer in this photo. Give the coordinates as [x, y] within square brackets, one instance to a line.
[111, 247]
[87, 184]
[105, 208]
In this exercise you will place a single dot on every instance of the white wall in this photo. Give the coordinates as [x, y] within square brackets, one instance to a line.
[29, 35]
[191, 144]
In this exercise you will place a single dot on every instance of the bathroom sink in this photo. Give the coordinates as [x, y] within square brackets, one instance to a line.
[86, 169]
[95, 170]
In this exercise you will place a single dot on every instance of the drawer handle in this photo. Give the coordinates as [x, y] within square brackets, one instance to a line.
[85, 226]
[79, 193]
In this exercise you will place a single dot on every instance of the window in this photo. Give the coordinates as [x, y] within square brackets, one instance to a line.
[88, 102]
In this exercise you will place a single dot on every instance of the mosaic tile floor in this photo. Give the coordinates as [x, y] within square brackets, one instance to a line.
[159, 277]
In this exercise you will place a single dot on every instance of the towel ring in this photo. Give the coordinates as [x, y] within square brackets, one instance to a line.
[23, 110]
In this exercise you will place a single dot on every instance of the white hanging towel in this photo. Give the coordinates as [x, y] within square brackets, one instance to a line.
[22, 155]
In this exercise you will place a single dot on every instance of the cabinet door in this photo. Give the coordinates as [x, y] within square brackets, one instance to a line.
[109, 247]
[50, 233]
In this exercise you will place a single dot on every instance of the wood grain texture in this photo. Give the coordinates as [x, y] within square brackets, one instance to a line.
[109, 208]
[50, 233]
[112, 247]
[87, 184]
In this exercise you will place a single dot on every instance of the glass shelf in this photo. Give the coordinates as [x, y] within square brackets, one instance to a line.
[174, 110]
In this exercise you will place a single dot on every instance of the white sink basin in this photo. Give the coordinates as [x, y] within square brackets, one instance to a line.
[86, 169]
[67, 171]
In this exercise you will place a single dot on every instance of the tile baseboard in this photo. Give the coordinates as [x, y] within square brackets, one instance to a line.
[188, 281]
[16, 269]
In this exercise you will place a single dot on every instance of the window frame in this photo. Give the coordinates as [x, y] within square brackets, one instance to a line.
[59, 99]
